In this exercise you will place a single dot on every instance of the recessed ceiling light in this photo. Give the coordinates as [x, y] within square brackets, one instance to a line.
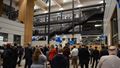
[98, 25]
[36, 7]
[61, 8]
[45, 12]
[101, 2]
[79, 5]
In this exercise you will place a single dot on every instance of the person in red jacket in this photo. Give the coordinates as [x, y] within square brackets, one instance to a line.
[52, 53]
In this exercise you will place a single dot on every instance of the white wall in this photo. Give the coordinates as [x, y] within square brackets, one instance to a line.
[42, 43]
[110, 6]
[11, 27]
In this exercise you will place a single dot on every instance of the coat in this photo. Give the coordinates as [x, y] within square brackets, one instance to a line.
[84, 55]
[59, 61]
[111, 61]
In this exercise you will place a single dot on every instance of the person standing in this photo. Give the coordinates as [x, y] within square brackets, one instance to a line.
[95, 57]
[15, 55]
[111, 60]
[91, 54]
[20, 54]
[104, 51]
[39, 59]
[59, 61]
[45, 50]
[52, 53]
[84, 56]
[66, 53]
[118, 54]
[28, 56]
[7, 56]
[74, 55]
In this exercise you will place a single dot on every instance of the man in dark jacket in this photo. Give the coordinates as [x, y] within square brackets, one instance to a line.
[28, 56]
[7, 57]
[104, 51]
[15, 55]
[118, 54]
[20, 54]
[95, 57]
[45, 50]
[59, 61]
[66, 53]
[84, 56]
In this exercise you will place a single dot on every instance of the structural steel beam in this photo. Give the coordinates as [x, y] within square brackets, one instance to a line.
[59, 2]
[41, 4]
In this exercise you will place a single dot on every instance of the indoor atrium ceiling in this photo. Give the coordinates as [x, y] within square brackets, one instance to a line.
[42, 5]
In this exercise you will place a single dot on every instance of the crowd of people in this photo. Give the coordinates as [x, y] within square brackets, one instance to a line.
[57, 56]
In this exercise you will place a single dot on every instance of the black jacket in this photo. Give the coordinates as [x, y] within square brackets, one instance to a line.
[84, 55]
[96, 54]
[59, 61]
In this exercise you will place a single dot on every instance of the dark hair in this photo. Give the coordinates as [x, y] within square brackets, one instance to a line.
[118, 45]
[74, 46]
[103, 47]
[95, 47]
[60, 50]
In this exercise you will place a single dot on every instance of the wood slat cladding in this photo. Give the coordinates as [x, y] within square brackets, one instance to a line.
[22, 8]
[1, 7]
[26, 12]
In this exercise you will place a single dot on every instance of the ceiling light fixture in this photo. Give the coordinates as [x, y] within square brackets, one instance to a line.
[101, 2]
[61, 9]
[45, 12]
[36, 7]
[98, 25]
[79, 5]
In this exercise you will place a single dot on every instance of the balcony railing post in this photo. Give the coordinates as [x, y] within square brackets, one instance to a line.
[49, 21]
[73, 16]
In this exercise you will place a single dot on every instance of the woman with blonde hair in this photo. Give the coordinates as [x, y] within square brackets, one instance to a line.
[39, 59]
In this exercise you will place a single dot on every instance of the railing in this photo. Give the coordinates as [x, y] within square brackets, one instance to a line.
[9, 12]
[65, 20]
[64, 17]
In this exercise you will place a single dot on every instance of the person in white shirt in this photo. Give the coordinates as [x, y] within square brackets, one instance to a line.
[110, 61]
[74, 55]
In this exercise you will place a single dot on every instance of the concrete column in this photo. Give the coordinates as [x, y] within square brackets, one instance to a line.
[107, 31]
[10, 38]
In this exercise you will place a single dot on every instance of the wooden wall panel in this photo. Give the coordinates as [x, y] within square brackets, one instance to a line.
[26, 12]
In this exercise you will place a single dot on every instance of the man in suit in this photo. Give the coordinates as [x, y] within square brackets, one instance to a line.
[95, 57]
[28, 56]
[84, 56]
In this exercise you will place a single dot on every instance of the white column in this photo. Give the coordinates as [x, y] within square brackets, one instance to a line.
[22, 40]
[107, 31]
[10, 37]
